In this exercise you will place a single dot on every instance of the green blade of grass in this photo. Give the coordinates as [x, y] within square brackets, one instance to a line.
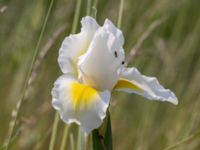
[54, 131]
[12, 140]
[89, 2]
[19, 103]
[64, 138]
[103, 142]
[76, 16]
[119, 21]
[97, 140]
[108, 135]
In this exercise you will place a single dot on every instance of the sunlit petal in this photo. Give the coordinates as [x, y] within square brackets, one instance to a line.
[115, 31]
[79, 103]
[75, 45]
[100, 65]
[148, 87]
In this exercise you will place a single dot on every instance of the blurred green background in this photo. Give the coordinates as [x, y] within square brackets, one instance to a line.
[171, 53]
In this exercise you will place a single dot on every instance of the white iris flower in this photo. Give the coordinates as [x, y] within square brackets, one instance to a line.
[92, 63]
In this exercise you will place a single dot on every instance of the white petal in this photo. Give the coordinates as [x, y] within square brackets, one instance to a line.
[89, 25]
[99, 66]
[148, 87]
[76, 106]
[75, 45]
[115, 31]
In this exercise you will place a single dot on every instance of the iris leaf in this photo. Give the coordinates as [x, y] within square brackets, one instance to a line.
[103, 142]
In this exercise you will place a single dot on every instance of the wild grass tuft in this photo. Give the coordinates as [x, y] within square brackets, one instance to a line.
[168, 34]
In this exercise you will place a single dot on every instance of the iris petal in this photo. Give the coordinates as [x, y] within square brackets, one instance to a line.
[79, 103]
[149, 87]
[75, 45]
[100, 66]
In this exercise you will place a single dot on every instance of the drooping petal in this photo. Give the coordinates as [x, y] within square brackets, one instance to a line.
[75, 45]
[100, 65]
[134, 82]
[79, 103]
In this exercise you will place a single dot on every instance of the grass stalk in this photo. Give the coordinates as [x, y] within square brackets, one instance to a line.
[143, 37]
[94, 9]
[121, 7]
[87, 142]
[19, 103]
[41, 56]
[72, 143]
[42, 140]
[79, 139]
[64, 138]
[95, 3]
[54, 131]
[89, 3]
[76, 16]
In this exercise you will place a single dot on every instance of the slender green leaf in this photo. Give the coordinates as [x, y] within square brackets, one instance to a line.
[103, 142]
[54, 131]
[98, 143]
[108, 134]
[12, 140]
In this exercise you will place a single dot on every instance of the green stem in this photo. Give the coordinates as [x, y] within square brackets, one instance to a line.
[87, 142]
[119, 21]
[97, 140]
[76, 16]
[72, 143]
[94, 10]
[95, 3]
[19, 104]
[79, 142]
[54, 131]
[103, 142]
[108, 134]
[89, 2]
[64, 138]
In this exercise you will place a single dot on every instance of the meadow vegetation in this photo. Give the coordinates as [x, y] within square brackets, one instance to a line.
[165, 38]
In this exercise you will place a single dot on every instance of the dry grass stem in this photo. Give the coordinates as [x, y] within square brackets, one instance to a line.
[186, 140]
[33, 76]
[15, 113]
[3, 9]
[133, 52]
[41, 57]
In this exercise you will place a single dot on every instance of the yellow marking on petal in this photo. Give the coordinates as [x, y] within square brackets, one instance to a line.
[126, 84]
[82, 95]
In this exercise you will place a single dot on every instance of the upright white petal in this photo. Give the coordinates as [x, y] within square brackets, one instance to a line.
[89, 25]
[76, 44]
[148, 87]
[100, 65]
[115, 31]
[79, 103]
